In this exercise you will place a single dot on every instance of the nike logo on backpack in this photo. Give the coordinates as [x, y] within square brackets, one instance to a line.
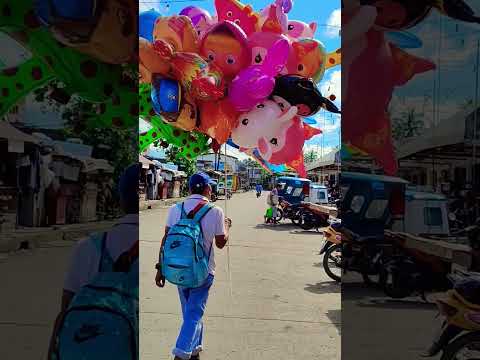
[175, 244]
[87, 332]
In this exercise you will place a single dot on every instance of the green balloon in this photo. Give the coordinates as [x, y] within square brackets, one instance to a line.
[81, 74]
[190, 143]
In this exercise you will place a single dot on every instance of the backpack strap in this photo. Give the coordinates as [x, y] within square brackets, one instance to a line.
[126, 260]
[182, 211]
[103, 244]
[200, 211]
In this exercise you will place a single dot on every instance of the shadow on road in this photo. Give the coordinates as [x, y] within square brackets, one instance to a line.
[287, 227]
[335, 317]
[324, 287]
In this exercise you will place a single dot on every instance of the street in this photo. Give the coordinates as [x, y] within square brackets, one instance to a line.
[276, 303]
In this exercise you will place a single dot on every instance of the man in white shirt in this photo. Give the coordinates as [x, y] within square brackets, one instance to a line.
[194, 300]
[85, 258]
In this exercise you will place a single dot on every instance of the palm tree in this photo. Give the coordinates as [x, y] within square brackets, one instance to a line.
[407, 125]
[310, 156]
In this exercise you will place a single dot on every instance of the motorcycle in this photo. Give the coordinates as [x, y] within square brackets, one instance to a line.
[411, 270]
[346, 251]
[459, 336]
[311, 217]
[291, 211]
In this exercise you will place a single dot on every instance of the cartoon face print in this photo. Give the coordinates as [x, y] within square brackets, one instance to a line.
[227, 52]
[260, 43]
[303, 109]
[238, 13]
[307, 59]
[299, 29]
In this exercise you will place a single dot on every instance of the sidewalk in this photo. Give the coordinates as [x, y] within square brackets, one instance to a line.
[157, 204]
[33, 237]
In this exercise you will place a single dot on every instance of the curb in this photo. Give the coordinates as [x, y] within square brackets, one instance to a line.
[158, 204]
[33, 237]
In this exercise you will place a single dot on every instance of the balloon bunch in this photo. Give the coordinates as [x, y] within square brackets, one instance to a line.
[55, 57]
[242, 75]
[374, 64]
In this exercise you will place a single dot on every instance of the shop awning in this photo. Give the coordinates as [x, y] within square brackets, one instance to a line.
[145, 162]
[92, 165]
[11, 133]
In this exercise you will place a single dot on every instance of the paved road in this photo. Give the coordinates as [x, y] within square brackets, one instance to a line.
[277, 304]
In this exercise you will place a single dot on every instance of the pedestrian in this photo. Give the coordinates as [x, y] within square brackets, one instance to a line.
[259, 189]
[193, 301]
[273, 200]
[100, 253]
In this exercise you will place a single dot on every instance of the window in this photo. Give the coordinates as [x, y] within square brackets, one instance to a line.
[433, 216]
[377, 208]
[357, 203]
[289, 190]
[297, 192]
[321, 195]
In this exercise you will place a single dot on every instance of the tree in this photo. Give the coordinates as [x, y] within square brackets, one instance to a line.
[248, 162]
[310, 156]
[187, 165]
[407, 125]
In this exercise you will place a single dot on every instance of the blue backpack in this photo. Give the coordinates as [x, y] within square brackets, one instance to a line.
[101, 322]
[183, 257]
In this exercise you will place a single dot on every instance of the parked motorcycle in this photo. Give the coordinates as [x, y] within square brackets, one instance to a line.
[291, 211]
[345, 251]
[411, 270]
[311, 217]
[459, 336]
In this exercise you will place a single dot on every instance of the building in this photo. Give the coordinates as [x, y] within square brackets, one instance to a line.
[217, 162]
[325, 169]
[445, 156]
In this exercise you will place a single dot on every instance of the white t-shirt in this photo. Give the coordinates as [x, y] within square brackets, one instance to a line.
[85, 257]
[213, 224]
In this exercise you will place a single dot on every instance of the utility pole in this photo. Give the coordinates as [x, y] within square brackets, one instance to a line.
[475, 118]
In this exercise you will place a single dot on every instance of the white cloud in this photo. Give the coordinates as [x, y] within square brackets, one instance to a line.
[159, 6]
[332, 85]
[334, 24]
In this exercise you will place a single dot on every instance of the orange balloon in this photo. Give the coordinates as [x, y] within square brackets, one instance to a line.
[217, 119]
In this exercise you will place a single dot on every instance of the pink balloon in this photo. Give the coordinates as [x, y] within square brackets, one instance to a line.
[255, 83]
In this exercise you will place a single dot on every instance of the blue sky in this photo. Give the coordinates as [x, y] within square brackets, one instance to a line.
[326, 14]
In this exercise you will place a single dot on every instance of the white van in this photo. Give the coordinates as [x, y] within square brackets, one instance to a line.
[318, 194]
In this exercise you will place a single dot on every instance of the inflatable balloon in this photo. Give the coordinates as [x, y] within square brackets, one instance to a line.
[286, 144]
[225, 45]
[308, 59]
[201, 19]
[294, 90]
[149, 63]
[298, 29]
[107, 86]
[146, 23]
[404, 40]
[259, 44]
[255, 83]
[174, 104]
[190, 143]
[93, 30]
[177, 32]
[265, 118]
[217, 119]
[242, 15]
[273, 18]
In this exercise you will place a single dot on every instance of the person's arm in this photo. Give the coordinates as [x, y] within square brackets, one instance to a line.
[222, 233]
[160, 278]
[67, 297]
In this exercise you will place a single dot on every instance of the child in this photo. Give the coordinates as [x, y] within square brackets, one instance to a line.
[268, 216]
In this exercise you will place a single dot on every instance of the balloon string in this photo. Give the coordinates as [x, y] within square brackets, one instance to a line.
[226, 215]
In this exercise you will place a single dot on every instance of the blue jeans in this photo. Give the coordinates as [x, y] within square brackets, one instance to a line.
[193, 302]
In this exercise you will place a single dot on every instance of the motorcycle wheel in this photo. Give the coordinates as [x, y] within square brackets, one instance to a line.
[279, 214]
[307, 221]
[297, 218]
[467, 345]
[394, 288]
[336, 261]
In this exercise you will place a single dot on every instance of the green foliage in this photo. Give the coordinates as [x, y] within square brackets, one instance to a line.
[408, 124]
[187, 165]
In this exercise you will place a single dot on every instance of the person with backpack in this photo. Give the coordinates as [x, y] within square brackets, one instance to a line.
[99, 307]
[187, 259]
